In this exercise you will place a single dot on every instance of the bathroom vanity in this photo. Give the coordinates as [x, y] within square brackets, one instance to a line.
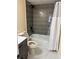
[22, 47]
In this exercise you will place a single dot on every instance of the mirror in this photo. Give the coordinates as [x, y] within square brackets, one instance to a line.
[43, 24]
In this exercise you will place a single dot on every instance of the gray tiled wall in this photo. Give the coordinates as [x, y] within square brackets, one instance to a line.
[41, 15]
[29, 12]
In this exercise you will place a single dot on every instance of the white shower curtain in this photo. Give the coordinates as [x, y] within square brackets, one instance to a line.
[55, 28]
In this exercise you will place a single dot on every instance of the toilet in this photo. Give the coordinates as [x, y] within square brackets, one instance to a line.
[32, 46]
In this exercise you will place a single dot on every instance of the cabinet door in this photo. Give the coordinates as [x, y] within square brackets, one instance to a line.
[21, 54]
[23, 50]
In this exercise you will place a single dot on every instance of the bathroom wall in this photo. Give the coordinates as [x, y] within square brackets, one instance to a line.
[42, 18]
[21, 16]
[29, 11]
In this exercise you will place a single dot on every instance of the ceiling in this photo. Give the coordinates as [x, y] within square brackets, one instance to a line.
[35, 2]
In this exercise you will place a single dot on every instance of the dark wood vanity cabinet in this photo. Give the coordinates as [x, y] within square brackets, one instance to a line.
[23, 49]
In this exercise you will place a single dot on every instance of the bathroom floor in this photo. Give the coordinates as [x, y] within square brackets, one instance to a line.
[42, 51]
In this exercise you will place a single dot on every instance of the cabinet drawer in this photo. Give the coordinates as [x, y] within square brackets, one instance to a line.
[23, 43]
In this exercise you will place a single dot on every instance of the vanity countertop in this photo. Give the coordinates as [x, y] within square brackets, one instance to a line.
[21, 38]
